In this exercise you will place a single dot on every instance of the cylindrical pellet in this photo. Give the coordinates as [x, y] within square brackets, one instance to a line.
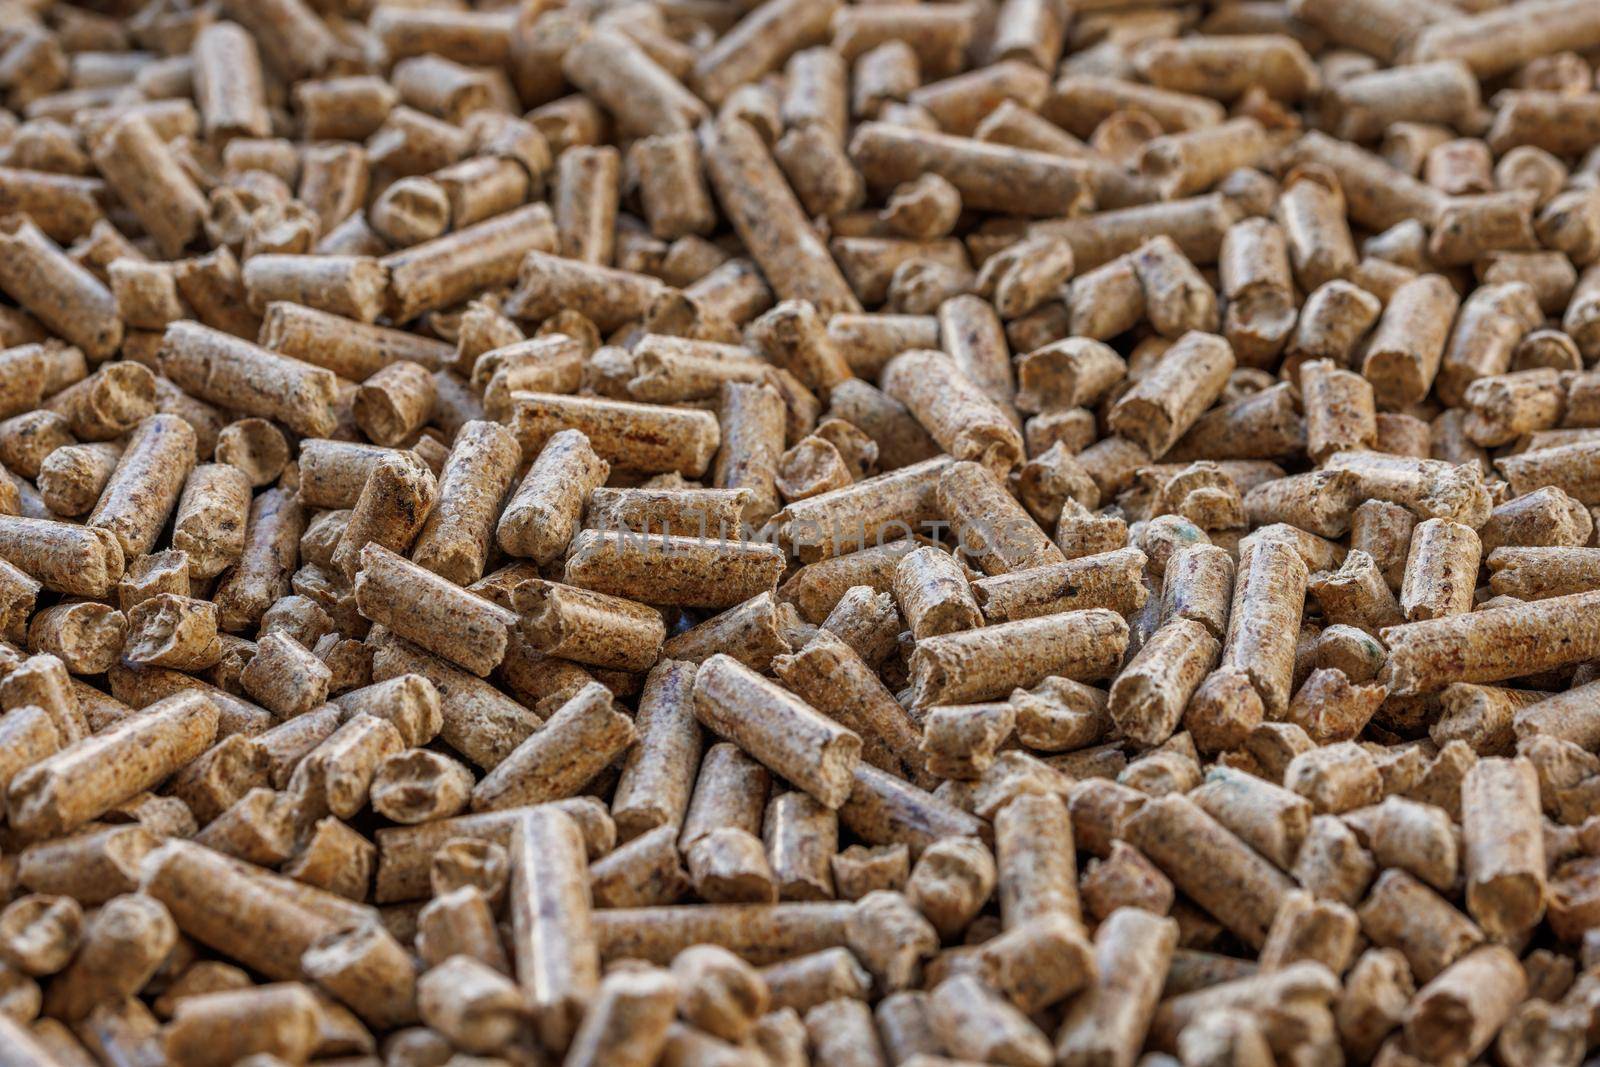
[148, 178]
[1166, 401]
[577, 742]
[777, 728]
[990, 661]
[588, 627]
[239, 376]
[1503, 846]
[959, 415]
[1231, 881]
[933, 594]
[1113, 580]
[396, 500]
[684, 571]
[1441, 570]
[212, 518]
[769, 220]
[1490, 645]
[555, 947]
[801, 837]
[456, 266]
[431, 611]
[837, 682]
[1133, 950]
[86, 780]
[627, 435]
[454, 542]
[544, 512]
[1148, 697]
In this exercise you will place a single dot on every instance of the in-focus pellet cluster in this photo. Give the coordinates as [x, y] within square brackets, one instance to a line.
[770, 533]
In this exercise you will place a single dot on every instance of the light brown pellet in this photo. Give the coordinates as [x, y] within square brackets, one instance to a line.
[72, 478]
[1165, 829]
[1458, 1012]
[222, 1027]
[663, 362]
[766, 215]
[1149, 695]
[589, 627]
[1481, 645]
[625, 434]
[1407, 345]
[726, 863]
[987, 175]
[933, 594]
[239, 376]
[1339, 407]
[971, 333]
[1113, 580]
[577, 742]
[1133, 950]
[144, 487]
[1177, 299]
[687, 571]
[990, 661]
[396, 500]
[212, 517]
[960, 739]
[84, 781]
[123, 945]
[991, 528]
[1502, 846]
[627, 1021]
[1166, 401]
[148, 178]
[1441, 570]
[430, 611]
[953, 409]
[471, 1004]
[1034, 856]
[801, 836]
[839, 683]
[555, 948]
[351, 350]
[777, 728]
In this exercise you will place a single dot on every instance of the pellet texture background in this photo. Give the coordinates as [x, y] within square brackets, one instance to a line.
[799, 533]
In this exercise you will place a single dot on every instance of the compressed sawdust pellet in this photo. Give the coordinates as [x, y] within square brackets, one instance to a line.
[799, 532]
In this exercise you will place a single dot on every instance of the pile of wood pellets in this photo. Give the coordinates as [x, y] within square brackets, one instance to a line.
[768, 533]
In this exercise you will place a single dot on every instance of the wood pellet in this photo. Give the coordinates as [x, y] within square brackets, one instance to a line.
[799, 533]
